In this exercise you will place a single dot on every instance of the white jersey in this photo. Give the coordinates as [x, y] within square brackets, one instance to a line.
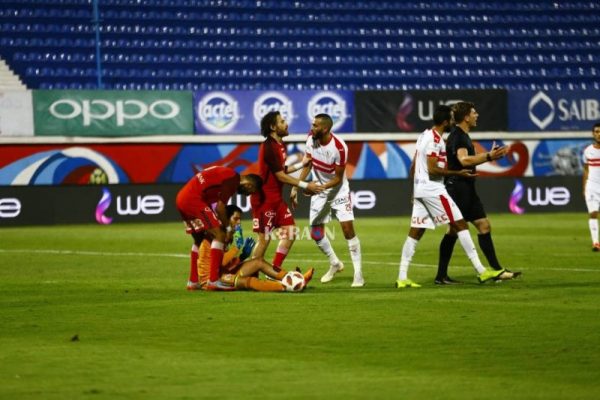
[429, 144]
[591, 157]
[324, 160]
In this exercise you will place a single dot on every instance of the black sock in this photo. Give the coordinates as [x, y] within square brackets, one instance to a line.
[487, 246]
[446, 248]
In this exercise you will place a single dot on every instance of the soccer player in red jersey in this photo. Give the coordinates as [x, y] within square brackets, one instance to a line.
[269, 210]
[214, 185]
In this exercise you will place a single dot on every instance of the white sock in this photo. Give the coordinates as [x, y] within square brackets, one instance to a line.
[408, 251]
[327, 249]
[469, 247]
[593, 223]
[355, 255]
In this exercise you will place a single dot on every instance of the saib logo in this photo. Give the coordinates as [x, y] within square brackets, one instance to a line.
[218, 112]
[273, 101]
[541, 110]
[328, 103]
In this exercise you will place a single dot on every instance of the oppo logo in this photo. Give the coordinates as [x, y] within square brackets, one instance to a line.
[151, 204]
[10, 207]
[538, 197]
[121, 110]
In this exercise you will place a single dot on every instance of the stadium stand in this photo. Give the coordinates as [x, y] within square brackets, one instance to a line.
[272, 44]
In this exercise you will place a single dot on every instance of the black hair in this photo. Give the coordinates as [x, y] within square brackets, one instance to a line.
[231, 209]
[596, 125]
[461, 110]
[327, 119]
[442, 114]
[256, 180]
[267, 121]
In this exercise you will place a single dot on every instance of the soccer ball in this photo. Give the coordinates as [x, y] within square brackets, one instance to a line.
[98, 177]
[293, 281]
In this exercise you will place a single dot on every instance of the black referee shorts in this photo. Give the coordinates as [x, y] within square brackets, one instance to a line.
[464, 195]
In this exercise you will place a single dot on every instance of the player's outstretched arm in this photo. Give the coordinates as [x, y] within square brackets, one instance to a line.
[294, 192]
[468, 161]
[310, 186]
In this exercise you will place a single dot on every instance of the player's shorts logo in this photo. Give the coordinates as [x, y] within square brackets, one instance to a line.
[218, 112]
[273, 101]
[329, 103]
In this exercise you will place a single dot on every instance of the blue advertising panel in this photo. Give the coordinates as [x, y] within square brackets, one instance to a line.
[239, 112]
[553, 110]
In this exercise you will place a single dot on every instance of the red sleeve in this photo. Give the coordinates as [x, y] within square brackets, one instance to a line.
[229, 187]
[272, 159]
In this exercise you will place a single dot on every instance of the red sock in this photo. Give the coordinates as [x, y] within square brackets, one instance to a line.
[194, 265]
[280, 255]
[216, 258]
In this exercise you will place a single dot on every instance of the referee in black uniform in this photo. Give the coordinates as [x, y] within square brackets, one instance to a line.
[461, 154]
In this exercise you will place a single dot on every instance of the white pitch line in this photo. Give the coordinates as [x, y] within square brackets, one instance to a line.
[295, 260]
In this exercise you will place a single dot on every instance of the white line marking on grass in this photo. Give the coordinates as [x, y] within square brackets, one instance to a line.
[295, 260]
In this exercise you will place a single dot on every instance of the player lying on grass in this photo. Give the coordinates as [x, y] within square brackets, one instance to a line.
[237, 272]
[214, 185]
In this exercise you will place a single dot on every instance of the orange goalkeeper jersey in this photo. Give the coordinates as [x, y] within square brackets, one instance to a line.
[229, 264]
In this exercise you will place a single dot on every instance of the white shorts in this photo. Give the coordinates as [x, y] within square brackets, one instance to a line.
[321, 208]
[429, 212]
[592, 197]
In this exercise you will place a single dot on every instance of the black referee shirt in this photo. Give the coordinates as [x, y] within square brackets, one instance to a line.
[456, 140]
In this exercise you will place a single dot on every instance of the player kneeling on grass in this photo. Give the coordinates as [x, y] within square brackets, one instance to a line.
[237, 272]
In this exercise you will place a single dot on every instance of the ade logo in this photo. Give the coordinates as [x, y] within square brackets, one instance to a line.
[538, 197]
[151, 204]
[328, 103]
[10, 207]
[121, 110]
[273, 101]
[218, 112]
[543, 110]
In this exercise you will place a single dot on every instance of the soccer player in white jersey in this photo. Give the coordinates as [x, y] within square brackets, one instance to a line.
[328, 155]
[591, 184]
[432, 205]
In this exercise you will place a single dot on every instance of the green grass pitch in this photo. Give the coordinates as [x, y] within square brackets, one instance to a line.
[120, 291]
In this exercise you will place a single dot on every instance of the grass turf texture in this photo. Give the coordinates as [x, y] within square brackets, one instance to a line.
[140, 334]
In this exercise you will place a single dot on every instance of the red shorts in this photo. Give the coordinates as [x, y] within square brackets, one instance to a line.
[197, 215]
[270, 216]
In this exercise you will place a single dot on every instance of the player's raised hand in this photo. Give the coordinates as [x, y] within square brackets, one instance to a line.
[498, 151]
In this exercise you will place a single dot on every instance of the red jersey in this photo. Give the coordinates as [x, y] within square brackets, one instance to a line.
[271, 159]
[213, 184]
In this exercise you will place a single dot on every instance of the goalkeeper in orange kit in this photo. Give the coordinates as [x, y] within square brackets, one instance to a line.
[236, 270]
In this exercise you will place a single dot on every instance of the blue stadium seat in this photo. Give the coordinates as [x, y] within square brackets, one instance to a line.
[291, 44]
